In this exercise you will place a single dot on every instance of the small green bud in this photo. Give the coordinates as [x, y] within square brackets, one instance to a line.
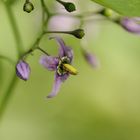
[28, 7]
[70, 7]
[79, 33]
[107, 12]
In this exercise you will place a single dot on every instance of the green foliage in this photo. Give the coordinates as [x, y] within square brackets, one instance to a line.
[1, 72]
[124, 7]
[11, 1]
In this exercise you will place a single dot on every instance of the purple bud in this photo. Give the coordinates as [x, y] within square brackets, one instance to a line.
[23, 70]
[131, 24]
[91, 59]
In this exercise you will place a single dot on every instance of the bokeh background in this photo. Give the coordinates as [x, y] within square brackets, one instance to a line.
[101, 104]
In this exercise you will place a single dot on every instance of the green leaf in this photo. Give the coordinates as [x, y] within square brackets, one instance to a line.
[1, 72]
[123, 7]
[11, 1]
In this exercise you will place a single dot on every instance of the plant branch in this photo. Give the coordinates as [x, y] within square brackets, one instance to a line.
[45, 8]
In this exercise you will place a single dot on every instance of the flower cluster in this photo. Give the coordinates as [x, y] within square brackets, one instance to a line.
[62, 64]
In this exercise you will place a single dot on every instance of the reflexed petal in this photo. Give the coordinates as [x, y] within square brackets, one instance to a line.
[57, 84]
[131, 24]
[23, 70]
[64, 50]
[49, 62]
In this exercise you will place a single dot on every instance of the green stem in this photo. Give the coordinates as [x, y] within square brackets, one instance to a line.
[35, 46]
[58, 32]
[40, 49]
[38, 40]
[45, 8]
[61, 2]
[7, 95]
[43, 18]
[64, 32]
[15, 29]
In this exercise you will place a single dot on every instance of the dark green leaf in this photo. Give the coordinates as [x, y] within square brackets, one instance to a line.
[124, 7]
[1, 72]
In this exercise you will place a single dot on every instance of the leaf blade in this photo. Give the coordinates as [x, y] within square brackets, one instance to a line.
[123, 7]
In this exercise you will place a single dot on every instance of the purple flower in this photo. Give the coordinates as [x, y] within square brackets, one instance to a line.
[23, 70]
[60, 64]
[131, 24]
[91, 59]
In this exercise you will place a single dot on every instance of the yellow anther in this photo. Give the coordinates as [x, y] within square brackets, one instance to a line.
[69, 68]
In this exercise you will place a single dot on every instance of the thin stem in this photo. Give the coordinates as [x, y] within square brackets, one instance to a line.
[82, 15]
[15, 29]
[37, 42]
[45, 8]
[43, 18]
[61, 2]
[43, 51]
[58, 32]
[34, 46]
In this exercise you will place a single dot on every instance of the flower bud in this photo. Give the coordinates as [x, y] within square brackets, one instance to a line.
[91, 59]
[131, 24]
[79, 33]
[70, 7]
[107, 12]
[23, 70]
[28, 7]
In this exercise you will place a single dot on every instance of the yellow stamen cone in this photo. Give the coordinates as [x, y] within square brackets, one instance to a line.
[70, 69]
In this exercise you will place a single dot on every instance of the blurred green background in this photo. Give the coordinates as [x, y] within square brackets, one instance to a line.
[99, 104]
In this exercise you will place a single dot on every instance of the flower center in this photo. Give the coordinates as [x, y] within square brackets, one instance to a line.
[65, 67]
[60, 68]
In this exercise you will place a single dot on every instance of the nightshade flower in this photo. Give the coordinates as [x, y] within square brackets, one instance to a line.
[60, 64]
[131, 24]
[23, 70]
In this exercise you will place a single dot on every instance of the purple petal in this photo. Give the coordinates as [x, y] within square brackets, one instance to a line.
[23, 70]
[49, 62]
[57, 84]
[64, 77]
[91, 59]
[64, 50]
[131, 24]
